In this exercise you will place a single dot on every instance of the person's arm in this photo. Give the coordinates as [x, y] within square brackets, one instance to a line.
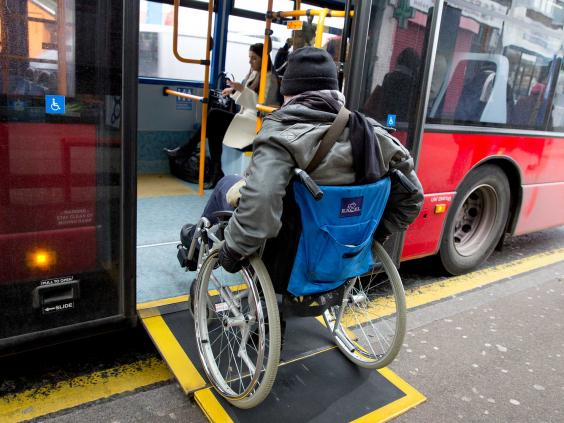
[246, 98]
[258, 215]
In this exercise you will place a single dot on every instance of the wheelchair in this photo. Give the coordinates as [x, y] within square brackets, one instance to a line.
[238, 323]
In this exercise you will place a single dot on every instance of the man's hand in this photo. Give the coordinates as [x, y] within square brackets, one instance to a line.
[229, 259]
[234, 193]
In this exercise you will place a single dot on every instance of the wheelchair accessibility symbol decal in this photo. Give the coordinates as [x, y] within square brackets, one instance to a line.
[55, 104]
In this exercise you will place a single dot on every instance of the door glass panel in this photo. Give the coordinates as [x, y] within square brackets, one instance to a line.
[60, 155]
[392, 73]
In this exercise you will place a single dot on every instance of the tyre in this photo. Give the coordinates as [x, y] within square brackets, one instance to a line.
[237, 330]
[371, 327]
[476, 220]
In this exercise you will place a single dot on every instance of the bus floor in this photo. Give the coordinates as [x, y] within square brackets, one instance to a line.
[164, 205]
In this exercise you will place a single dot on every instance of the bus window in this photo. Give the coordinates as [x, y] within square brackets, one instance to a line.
[496, 69]
[558, 104]
[392, 71]
[156, 59]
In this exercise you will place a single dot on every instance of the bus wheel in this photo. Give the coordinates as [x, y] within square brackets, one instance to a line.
[476, 220]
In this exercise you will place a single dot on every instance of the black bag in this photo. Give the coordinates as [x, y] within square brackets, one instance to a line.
[217, 101]
[187, 168]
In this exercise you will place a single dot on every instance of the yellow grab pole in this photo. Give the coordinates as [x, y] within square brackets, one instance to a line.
[295, 13]
[320, 28]
[175, 38]
[266, 109]
[183, 95]
[205, 102]
[61, 48]
[264, 63]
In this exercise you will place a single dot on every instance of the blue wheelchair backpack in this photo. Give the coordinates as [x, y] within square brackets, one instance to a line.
[336, 238]
[337, 224]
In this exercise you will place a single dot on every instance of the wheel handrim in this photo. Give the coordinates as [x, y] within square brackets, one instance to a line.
[239, 329]
[370, 319]
[474, 220]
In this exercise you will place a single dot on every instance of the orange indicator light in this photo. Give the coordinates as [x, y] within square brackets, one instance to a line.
[41, 259]
[440, 208]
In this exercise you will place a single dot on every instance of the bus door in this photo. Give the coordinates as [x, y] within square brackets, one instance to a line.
[388, 68]
[63, 123]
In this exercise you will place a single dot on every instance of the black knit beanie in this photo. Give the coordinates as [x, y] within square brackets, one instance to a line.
[309, 69]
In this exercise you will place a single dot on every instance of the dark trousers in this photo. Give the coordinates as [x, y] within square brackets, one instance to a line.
[217, 201]
[216, 127]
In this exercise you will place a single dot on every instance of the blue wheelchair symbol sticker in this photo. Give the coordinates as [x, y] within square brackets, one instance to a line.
[55, 104]
[391, 121]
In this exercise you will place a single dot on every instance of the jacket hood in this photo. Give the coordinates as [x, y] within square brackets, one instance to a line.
[293, 111]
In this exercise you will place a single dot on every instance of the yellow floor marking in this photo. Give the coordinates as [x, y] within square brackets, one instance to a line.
[386, 413]
[211, 407]
[163, 302]
[70, 393]
[161, 186]
[179, 363]
[459, 284]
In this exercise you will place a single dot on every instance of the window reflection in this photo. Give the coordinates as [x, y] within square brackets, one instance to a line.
[497, 64]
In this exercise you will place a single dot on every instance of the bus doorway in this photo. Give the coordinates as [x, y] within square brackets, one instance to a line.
[167, 199]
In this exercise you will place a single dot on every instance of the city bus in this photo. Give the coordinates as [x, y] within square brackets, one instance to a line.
[90, 215]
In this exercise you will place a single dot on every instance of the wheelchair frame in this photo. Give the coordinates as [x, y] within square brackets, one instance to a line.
[254, 313]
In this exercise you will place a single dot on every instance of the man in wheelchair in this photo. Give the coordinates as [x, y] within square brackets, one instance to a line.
[237, 321]
[289, 139]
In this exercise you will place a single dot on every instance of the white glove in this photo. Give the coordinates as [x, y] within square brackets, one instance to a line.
[233, 194]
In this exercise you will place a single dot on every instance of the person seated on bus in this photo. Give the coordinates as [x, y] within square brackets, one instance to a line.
[394, 96]
[333, 47]
[300, 38]
[230, 129]
[289, 138]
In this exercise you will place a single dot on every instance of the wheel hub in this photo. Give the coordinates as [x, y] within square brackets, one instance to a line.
[475, 220]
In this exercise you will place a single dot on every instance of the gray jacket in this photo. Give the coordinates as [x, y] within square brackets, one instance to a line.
[289, 138]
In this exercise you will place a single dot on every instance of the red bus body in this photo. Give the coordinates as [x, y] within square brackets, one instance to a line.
[48, 191]
[445, 160]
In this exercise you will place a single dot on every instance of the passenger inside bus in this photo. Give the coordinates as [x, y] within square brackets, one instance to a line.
[393, 97]
[230, 133]
[300, 38]
[530, 110]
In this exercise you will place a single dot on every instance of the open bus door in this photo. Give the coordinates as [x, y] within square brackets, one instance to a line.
[67, 130]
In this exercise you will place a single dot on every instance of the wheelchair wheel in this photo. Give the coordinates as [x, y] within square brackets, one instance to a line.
[373, 315]
[237, 330]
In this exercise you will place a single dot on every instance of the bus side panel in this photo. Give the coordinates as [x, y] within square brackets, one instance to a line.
[423, 235]
[447, 158]
[543, 207]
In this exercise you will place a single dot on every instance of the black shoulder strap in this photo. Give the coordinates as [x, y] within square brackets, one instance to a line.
[330, 138]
